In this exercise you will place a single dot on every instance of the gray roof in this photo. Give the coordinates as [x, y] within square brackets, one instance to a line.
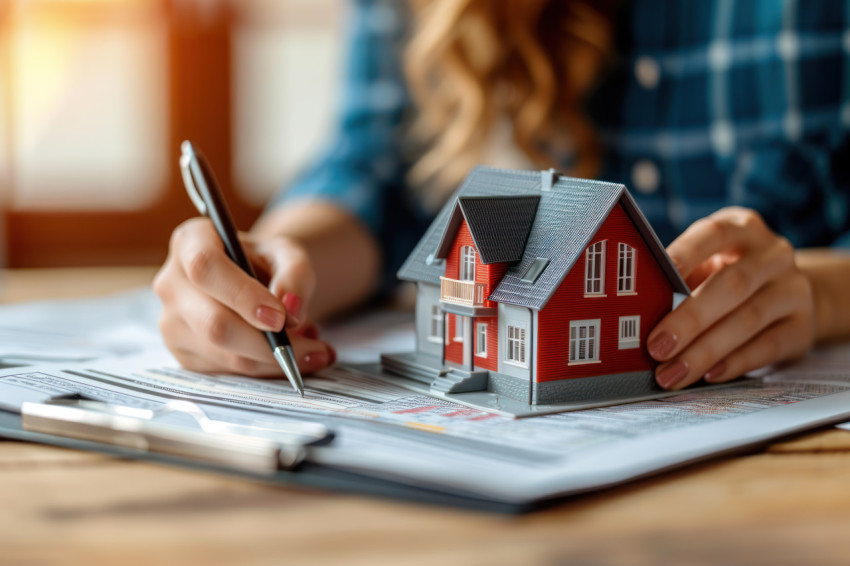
[567, 217]
[499, 226]
[483, 181]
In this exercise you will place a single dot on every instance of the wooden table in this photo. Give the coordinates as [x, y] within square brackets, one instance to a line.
[789, 504]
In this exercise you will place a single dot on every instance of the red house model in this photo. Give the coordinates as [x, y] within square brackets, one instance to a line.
[537, 287]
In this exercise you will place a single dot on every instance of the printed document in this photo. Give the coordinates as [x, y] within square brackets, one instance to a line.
[389, 432]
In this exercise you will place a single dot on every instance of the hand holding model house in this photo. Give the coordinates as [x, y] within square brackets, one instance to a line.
[545, 288]
[750, 306]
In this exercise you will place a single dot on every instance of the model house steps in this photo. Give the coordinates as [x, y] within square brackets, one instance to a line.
[443, 380]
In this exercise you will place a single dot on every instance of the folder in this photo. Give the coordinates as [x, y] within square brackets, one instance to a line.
[398, 444]
[306, 474]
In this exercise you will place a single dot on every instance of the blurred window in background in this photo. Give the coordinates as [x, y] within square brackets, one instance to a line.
[286, 64]
[96, 95]
[89, 104]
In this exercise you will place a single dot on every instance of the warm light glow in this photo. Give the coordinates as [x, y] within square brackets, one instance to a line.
[88, 102]
[43, 70]
[30, 4]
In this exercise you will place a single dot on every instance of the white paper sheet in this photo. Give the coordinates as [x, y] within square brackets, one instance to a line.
[76, 330]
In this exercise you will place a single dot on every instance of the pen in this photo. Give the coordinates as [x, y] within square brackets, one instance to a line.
[205, 194]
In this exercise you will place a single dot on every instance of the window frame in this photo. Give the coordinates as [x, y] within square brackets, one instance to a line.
[481, 339]
[594, 256]
[516, 340]
[626, 269]
[628, 342]
[574, 341]
[437, 322]
[466, 269]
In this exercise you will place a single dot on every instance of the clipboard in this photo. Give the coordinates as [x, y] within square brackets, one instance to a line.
[252, 448]
[466, 471]
[305, 475]
[744, 434]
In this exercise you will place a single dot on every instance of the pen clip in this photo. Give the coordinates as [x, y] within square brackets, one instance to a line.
[186, 159]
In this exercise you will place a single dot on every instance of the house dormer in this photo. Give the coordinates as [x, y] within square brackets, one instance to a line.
[483, 237]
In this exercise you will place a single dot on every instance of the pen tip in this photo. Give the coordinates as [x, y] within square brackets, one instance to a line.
[286, 358]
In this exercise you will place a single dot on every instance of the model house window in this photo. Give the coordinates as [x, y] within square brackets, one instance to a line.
[626, 269]
[467, 263]
[515, 351]
[481, 339]
[436, 324]
[594, 269]
[584, 341]
[458, 328]
[629, 332]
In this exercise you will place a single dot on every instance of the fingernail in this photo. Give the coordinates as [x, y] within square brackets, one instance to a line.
[309, 331]
[293, 304]
[332, 352]
[314, 361]
[716, 371]
[672, 374]
[661, 345]
[270, 317]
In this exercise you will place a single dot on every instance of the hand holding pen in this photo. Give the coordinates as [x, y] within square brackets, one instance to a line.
[213, 311]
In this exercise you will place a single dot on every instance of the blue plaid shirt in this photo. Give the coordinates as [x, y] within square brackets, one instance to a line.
[707, 104]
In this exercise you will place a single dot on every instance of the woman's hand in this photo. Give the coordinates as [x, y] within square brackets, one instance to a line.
[750, 304]
[213, 311]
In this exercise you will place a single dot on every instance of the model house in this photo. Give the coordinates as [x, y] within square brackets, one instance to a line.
[538, 287]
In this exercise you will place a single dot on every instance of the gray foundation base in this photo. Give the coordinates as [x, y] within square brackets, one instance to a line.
[598, 387]
[428, 369]
[509, 386]
[508, 396]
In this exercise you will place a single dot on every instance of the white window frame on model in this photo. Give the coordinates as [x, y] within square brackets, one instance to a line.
[629, 332]
[467, 263]
[481, 339]
[584, 341]
[437, 330]
[626, 269]
[458, 328]
[594, 269]
[515, 345]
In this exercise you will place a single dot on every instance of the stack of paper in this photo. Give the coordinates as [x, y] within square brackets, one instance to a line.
[387, 432]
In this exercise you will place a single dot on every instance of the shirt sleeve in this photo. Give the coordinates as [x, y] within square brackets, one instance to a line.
[363, 170]
[802, 189]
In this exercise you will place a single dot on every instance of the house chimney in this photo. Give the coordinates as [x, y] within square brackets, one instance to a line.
[549, 177]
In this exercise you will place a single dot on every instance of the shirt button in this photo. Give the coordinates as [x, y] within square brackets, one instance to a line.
[645, 176]
[647, 72]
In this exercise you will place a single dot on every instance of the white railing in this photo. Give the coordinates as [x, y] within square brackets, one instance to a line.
[467, 293]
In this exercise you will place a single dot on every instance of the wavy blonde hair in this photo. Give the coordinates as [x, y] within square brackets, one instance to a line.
[471, 63]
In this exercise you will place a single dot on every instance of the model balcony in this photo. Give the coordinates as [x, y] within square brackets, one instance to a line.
[466, 293]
